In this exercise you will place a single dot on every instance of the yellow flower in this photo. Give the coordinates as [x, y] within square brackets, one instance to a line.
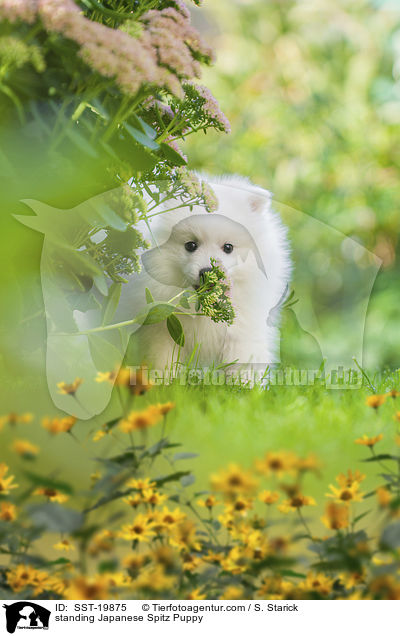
[134, 562]
[233, 481]
[140, 484]
[268, 497]
[279, 544]
[227, 520]
[277, 463]
[6, 482]
[233, 593]
[26, 576]
[274, 587]
[65, 545]
[154, 579]
[57, 425]
[346, 494]
[209, 502]
[351, 579]
[140, 420]
[375, 401]
[167, 519]
[213, 557]
[369, 441]
[94, 477]
[385, 587]
[336, 516]
[69, 389]
[8, 512]
[164, 555]
[311, 463]
[25, 448]
[183, 536]
[350, 478]
[256, 545]
[139, 381]
[108, 376]
[141, 529]
[118, 579]
[396, 416]
[52, 494]
[133, 500]
[14, 418]
[295, 503]
[153, 497]
[88, 589]
[99, 435]
[239, 506]
[319, 583]
[136, 381]
[196, 595]
[393, 393]
[165, 408]
[190, 562]
[102, 541]
[384, 497]
[20, 577]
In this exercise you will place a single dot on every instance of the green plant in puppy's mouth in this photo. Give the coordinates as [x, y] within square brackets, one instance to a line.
[214, 294]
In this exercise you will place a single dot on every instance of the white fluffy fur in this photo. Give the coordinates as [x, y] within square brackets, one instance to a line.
[259, 268]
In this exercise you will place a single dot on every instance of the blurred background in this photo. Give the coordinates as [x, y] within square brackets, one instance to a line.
[312, 91]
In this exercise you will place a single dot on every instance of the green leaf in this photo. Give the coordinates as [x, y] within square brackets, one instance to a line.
[114, 294]
[179, 456]
[187, 480]
[111, 218]
[184, 300]
[378, 458]
[149, 296]
[361, 516]
[48, 482]
[390, 539]
[79, 140]
[101, 283]
[297, 575]
[56, 518]
[157, 448]
[172, 156]
[107, 566]
[175, 330]
[141, 137]
[158, 313]
[60, 561]
[148, 130]
[105, 354]
[160, 481]
[97, 107]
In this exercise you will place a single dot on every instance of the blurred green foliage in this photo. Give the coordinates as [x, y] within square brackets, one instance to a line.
[313, 96]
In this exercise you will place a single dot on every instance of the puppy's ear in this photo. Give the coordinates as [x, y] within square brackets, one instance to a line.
[260, 201]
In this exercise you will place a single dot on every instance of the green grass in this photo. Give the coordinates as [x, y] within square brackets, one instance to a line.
[232, 424]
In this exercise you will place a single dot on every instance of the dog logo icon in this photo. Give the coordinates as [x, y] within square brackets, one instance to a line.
[26, 615]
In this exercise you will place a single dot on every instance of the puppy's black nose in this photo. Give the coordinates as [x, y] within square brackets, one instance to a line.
[203, 271]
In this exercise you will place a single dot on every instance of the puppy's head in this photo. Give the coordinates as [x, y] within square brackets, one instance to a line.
[182, 260]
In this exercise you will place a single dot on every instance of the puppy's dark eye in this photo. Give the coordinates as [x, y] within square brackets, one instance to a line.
[191, 246]
[228, 248]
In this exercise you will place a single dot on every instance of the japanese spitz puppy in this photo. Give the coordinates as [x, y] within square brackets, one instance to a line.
[248, 238]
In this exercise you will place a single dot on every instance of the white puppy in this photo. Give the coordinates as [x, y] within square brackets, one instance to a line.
[250, 241]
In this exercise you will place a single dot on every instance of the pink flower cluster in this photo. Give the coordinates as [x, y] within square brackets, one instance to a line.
[211, 107]
[13, 10]
[162, 55]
